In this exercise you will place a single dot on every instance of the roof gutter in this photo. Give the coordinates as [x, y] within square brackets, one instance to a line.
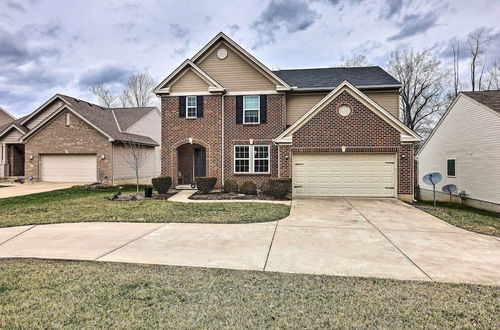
[325, 89]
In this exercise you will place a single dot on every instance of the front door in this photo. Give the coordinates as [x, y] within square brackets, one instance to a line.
[199, 162]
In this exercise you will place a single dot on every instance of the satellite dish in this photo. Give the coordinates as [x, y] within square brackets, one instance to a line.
[449, 188]
[432, 178]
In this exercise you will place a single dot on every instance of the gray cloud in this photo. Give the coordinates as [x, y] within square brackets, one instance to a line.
[414, 24]
[391, 8]
[178, 31]
[292, 15]
[107, 73]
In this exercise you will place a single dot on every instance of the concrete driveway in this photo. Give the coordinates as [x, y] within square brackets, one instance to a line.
[14, 190]
[349, 237]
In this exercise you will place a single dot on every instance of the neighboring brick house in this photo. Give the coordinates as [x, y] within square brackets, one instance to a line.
[71, 140]
[334, 131]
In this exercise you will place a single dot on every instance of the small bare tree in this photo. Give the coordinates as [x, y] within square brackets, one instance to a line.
[138, 91]
[105, 97]
[355, 61]
[135, 157]
[456, 71]
[423, 92]
[477, 44]
[493, 77]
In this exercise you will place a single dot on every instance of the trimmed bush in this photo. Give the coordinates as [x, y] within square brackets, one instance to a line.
[264, 188]
[206, 184]
[279, 187]
[248, 188]
[162, 184]
[230, 186]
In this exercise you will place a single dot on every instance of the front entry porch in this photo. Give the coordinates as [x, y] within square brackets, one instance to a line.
[11, 160]
[191, 163]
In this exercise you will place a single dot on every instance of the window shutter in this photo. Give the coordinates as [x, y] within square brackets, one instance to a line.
[239, 109]
[182, 106]
[263, 109]
[199, 106]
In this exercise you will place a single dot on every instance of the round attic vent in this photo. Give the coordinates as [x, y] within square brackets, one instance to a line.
[222, 53]
[344, 110]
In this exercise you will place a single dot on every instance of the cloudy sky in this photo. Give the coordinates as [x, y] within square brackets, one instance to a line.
[66, 46]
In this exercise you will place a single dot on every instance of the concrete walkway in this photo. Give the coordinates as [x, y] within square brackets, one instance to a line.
[349, 237]
[16, 189]
[183, 197]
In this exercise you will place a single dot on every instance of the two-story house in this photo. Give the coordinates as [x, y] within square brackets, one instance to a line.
[334, 131]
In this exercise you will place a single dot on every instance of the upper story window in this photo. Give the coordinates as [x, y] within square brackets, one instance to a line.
[451, 167]
[251, 110]
[191, 110]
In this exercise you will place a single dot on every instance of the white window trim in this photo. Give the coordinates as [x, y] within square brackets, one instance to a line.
[195, 107]
[251, 159]
[455, 163]
[258, 110]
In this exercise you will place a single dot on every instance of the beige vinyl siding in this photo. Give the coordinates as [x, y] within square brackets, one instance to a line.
[12, 136]
[44, 113]
[122, 171]
[471, 135]
[299, 103]
[188, 81]
[150, 125]
[233, 72]
[4, 118]
[389, 100]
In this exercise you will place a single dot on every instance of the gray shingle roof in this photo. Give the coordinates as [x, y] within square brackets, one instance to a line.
[103, 119]
[15, 122]
[330, 78]
[490, 99]
[127, 117]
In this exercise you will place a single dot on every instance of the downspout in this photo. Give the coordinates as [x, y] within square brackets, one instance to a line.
[222, 152]
[279, 157]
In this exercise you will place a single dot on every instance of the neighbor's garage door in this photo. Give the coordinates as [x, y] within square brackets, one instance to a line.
[68, 168]
[361, 175]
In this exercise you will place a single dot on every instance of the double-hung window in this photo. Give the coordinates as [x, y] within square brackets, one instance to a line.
[251, 159]
[451, 167]
[191, 110]
[251, 107]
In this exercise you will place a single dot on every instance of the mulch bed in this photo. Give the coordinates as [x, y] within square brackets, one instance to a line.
[119, 197]
[233, 196]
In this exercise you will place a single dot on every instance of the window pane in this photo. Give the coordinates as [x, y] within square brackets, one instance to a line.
[261, 152]
[242, 165]
[191, 101]
[251, 102]
[242, 152]
[261, 165]
[251, 116]
[191, 112]
[451, 167]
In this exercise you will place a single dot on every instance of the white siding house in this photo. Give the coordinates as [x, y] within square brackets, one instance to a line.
[465, 148]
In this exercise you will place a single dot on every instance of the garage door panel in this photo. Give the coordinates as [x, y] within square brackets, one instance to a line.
[363, 175]
[68, 168]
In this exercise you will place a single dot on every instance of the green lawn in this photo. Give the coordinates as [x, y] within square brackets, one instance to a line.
[79, 205]
[69, 294]
[466, 217]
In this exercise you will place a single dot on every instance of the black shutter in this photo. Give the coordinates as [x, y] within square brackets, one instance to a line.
[239, 109]
[199, 106]
[263, 109]
[182, 106]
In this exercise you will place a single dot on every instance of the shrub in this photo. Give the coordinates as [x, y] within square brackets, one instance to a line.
[264, 187]
[248, 188]
[162, 184]
[206, 184]
[279, 187]
[230, 186]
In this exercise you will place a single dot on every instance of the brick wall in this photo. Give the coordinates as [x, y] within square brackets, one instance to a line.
[262, 134]
[361, 131]
[57, 138]
[206, 132]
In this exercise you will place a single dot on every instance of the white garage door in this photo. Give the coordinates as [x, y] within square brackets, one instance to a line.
[68, 168]
[362, 175]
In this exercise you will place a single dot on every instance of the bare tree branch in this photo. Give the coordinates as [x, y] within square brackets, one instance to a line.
[355, 61]
[104, 96]
[139, 91]
[477, 44]
[135, 157]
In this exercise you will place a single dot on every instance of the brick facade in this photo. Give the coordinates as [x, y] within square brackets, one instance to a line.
[77, 138]
[361, 131]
